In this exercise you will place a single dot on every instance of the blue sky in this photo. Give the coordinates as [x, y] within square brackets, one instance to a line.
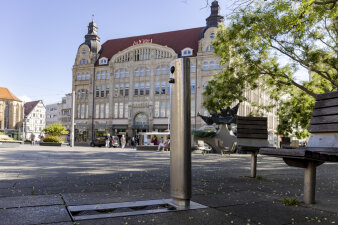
[40, 37]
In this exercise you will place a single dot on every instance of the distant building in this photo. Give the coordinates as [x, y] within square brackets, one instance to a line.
[66, 111]
[35, 119]
[53, 113]
[11, 111]
[122, 85]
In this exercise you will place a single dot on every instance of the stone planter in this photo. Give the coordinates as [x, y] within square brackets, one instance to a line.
[50, 144]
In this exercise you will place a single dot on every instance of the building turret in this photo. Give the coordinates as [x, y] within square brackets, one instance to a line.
[92, 39]
[214, 19]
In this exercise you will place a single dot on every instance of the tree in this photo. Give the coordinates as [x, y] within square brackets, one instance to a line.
[55, 129]
[265, 44]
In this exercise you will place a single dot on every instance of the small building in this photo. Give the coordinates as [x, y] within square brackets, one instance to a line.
[53, 114]
[11, 112]
[35, 119]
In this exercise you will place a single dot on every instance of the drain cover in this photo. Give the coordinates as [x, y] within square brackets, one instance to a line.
[86, 212]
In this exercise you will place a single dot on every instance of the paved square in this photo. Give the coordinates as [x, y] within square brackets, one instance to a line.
[36, 183]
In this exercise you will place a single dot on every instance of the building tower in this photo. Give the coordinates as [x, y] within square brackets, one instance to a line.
[214, 19]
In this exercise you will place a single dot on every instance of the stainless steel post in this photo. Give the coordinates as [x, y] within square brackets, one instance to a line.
[180, 133]
[73, 116]
[310, 183]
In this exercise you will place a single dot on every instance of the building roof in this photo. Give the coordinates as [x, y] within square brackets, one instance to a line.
[177, 40]
[29, 106]
[6, 94]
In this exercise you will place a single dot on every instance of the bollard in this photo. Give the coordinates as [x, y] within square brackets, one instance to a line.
[180, 133]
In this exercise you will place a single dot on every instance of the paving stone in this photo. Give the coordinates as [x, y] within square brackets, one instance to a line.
[34, 215]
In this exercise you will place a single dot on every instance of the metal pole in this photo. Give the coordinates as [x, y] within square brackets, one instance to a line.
[310, 183]
[253, 164]
[73, 116]
[180, 133]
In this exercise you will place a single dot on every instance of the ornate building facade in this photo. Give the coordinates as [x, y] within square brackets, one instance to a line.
[122, 85]
[35, 119]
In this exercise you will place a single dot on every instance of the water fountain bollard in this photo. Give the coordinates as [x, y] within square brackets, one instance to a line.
[180, 133]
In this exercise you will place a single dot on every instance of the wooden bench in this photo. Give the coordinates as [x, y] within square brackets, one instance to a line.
[252, 134]
[322, 146]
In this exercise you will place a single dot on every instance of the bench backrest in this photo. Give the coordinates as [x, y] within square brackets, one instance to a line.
[325, 114]
[252, 127]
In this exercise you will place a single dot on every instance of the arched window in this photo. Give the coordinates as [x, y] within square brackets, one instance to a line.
[211, 65]
[164, 70]
[212, 35]
[141, 121]
[187, 52]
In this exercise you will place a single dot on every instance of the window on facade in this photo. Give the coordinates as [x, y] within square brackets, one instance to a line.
[102, 111]
[97, 91]
[142, 71]
[107, 90]
[147, 72]
[158, 70]
[157, 88]
[193, 86]
[187, 52]
[212, 35]
[126, 74]
[78, 76]
[103, 61]
[116, 90]
[168, 89]
[116, 110]
[126, 90]
[164, 70]
[192, 108]
[98, 76]
[141, 88]
[82, 111]
[136, 73]
[97, 111]
[83, 51]
[218, 66]
[103, 90]
[126, 111]
[107, 75]
[121, 89]
[136, 89]
[192, 68]
[147, 88]
[163, 87]
[163, 109]
[103, 75]
[87, 76]
[168, 109]
[210, 48]
[157, 109]
[84, 61]
[205, 66]
[212, 65]
[107, 110]
[121, 73]
[116, 74]
[121, 110]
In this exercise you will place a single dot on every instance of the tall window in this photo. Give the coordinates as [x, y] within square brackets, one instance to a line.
[157, 109]
[164, 70]
[83, 76]
[121, 73]
[126, 111]
[163, 109]
[78, 77]
[97, 111]
[157, 88]
[210, 48]
[107, 90]
[107, 75]
[121, 110]
[103, 75]
[116, 90]
[158, 70]
[168, 109]
[116, 110]
[212, 65]
[193, 86]
[121, 89]
[126, 90]
[102, 111]
[126, 73]
[136, 73]
[147, 88]
[98, 76]
[97, 91]
[141, 88]
[147, 72]
[192, 68]
[87, 76]
[136, 89]
[107, 110]
[192, 108]
[142, 71]
[116, 74]
[163, 87]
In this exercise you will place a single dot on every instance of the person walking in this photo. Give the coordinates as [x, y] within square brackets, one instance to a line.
[123, 141]
[107, 140]
[32, 139]
[132, 142]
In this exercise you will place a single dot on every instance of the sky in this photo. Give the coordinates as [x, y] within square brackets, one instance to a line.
[40, 38]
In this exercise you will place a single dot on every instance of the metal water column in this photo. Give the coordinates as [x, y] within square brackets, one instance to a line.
[180, 133]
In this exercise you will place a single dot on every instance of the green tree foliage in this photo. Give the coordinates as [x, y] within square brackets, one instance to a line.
[265, 44]
[55, 129]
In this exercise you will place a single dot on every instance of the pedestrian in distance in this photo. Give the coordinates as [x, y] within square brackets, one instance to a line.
[123, 141]
[32, 139]
[107, 140]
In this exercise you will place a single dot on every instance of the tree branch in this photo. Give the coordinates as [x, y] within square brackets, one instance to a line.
[325, 2]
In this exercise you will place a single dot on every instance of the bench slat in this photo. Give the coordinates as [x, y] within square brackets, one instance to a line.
[251, 118]
[324, 119]
[249, 126]
[254, 136]
[252, 122]
[325, 111]
[251, 131]
[328, 95]
[326, 103]
[298, 152]
[323, 128]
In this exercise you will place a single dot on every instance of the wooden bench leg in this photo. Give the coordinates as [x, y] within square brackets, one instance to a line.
[310, 183]
[253, 164]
